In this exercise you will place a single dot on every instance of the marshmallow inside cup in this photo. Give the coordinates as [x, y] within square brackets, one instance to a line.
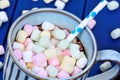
[61, 61]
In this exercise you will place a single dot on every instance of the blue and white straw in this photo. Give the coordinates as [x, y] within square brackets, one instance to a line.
[84, 23]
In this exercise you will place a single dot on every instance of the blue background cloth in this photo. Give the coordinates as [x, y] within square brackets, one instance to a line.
[106, 22]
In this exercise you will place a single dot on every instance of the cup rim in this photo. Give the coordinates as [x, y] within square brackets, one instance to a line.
[50, 10]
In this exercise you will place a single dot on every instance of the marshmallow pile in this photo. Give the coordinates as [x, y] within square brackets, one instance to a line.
[37, 49]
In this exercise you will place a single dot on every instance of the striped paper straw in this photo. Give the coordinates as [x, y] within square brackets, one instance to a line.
[84, 23]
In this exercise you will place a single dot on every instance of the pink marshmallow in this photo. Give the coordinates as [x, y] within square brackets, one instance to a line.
[66, 52]
[43, 73]
[23, 63]
[66, 32]
[91, 24]
[28, 29]
[63, 74]
[2, 51]
[76, 71]
[18, 53]
[39, 59]
[54, 61]
[27, 41]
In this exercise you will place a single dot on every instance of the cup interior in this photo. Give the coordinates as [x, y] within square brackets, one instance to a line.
[62, 19]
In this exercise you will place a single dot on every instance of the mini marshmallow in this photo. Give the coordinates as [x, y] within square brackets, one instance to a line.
[37, 49]
[43, 73]
[44, 41]
[115, 33]
[27, 41]
[28, 29]
[36, 69]
[25, 11]
[67, 68]
[54, 41]
[60, 58]
[23, 63]
[105, 66]
[63, 44]
[76, 71]
[50, 53]
[69, 60]
[75, 53]
[59, 4]
[21, 36]
[17, 45]
[91, 24]
[113, 5]
[54, 61]
[3, 16]
[39, 59]
[82, 62]
[29, 46]
[45, 33]
[58, 34]
[52, 71]
[48, 1]
[1, 65]
[27, 56]
[2, 51]
[66, 1]
[4, 4]
[0, 22]
[18, 53]
[66, 52]
[47, 25]
[44, 64]
[35, 35]
[63, 74]
[74, 46]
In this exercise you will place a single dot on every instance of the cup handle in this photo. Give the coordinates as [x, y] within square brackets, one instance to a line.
[109, 55]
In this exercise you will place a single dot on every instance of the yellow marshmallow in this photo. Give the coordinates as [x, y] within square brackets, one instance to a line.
[21, 36]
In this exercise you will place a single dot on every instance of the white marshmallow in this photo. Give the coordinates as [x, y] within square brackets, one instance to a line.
[115, 33]
[59, 4]
[37, 49]
[4, 4]
[47, 25]
[29, 47]
[52, 71]
[36, 69]
[74, 46]
[3, 16]
[66, 1]
[27, 56]
[25, 11]
[75, 53]
[58, 34]
[105, 66]
[45, 42]
[17, 45]
[48, 1]
[1, 65]
[113, 5]
[0, 22]
[2, 51]
[82, 62]
[35, 35]
[63, 44]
